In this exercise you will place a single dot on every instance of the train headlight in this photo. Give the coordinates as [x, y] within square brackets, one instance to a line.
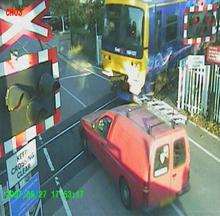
[106, 57]
[138, 66]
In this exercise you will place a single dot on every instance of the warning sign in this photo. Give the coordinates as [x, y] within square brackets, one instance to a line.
[28, 22]
[213, 55]
[21, 163]
[194, 61]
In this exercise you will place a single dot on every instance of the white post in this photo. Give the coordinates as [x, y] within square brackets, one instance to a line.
[190, 90]
[206, 88]
[200, 91]
[196, 92]
[180, 85]
[193, 91]
[63, 24]
[98, 45]
[218, 95]
[186, 88]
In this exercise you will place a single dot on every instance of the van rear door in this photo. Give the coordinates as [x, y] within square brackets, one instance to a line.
[160, 180]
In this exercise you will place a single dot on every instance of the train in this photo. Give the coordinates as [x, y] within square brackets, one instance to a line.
[144, 38]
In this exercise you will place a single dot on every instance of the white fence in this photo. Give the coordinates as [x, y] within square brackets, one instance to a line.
[199, 87]
[214, 93]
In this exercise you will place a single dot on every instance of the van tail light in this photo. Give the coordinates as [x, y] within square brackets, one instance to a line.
[145, 191]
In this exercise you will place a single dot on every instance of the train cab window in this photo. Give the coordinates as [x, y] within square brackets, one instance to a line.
[103, 126]
[161, 162]
[171, 28]
[179, 153]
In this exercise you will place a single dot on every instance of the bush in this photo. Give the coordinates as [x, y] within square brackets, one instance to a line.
[86, 15]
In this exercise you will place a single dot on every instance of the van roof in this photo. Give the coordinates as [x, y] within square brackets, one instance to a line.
[161, 1]
[145, 119]
[157, 2]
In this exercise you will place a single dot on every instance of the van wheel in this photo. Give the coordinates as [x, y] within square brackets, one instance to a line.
[84, 143]
[125, 194]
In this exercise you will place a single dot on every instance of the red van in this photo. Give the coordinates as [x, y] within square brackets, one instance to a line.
[148, 158]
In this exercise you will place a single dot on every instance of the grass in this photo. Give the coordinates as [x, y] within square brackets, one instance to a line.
[75, 50]
[203, 122]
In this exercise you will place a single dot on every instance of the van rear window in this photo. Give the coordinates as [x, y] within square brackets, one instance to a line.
[179, 152]
[161, 162]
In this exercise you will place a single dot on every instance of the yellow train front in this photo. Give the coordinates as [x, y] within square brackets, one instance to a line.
[141, 39]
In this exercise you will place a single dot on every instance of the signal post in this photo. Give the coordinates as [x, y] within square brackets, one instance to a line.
[30, 105]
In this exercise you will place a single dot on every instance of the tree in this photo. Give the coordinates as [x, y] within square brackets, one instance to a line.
[61, 7]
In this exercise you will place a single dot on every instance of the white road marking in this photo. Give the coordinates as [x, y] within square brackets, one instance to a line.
[74, 125]
[73, 76]
[77, 99]
[96, 74]
[63, 198]
[61, 169]
[87, 69]
[178, 211]
[48, 159]
[204, 150]
[60, 134]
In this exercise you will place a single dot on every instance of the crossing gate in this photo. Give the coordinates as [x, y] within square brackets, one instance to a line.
[199, 87]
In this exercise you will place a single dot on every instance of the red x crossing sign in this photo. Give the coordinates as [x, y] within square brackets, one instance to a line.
[29, 23]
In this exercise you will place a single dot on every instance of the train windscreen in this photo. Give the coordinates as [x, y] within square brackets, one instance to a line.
[123, 30]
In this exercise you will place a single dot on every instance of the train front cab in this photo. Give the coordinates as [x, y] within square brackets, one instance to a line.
[125, 40]
[139, 37]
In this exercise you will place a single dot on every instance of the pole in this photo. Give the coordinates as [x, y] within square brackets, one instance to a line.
[63, 24]
[97, 45]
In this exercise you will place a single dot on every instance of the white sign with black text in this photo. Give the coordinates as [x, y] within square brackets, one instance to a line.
[195, 61]
[21, 163]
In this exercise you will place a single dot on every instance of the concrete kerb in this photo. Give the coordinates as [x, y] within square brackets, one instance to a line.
[206, 131]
